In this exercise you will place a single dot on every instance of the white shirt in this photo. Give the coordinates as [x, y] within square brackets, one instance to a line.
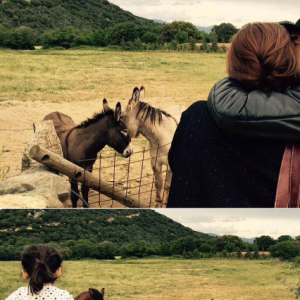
[49, 292]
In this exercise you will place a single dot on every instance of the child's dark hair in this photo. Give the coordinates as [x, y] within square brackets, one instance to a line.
[40, 262]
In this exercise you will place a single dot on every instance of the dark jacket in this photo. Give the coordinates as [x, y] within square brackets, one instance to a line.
[269, 115]
[211, 169]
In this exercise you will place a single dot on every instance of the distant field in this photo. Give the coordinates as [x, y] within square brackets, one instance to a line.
[81, 75]
[171, 279]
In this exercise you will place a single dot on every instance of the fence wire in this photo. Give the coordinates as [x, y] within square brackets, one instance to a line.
[133, 174]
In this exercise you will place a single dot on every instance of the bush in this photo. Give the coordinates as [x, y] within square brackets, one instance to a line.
[285, 250]
[23, 38]
[297, 261]
[63, 37]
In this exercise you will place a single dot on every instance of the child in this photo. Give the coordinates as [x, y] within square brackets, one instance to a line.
[41, 264]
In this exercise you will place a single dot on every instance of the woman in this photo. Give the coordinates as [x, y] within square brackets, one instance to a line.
[41, 265]
[213, 169]
[244, 113]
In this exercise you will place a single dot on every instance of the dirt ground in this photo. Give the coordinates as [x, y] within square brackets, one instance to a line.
[16, 126]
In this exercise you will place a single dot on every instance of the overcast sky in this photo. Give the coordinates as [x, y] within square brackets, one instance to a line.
[214, 12]
[246, 223]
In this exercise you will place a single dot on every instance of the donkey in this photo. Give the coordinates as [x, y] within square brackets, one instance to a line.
[158, 127]
[91, 294]
[81, 143]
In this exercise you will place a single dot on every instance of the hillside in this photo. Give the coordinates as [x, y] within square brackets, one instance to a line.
[205, 29]
[43, 15]
[20, 227]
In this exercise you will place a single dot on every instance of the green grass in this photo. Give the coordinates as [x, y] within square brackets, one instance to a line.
[87, 74]
[171, 279]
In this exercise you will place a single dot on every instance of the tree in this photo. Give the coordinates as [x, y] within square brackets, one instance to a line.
[126, 32]
[192, 43]
[224, 32]
[264, 242]
[255, 254]
[19, 38]
[169, 31]
[284, 238]
[99, 38]
[248, 253]
[285, 250]
[26, 38]
[181, 37]
[149, 37]
[230, 247]
[224, 254]
[62, 37]
[82, 249]
[84, 38]
[214, 42]
[221, 242]
[205, 248]
[187, 244]
[204, 46]
[138, 249]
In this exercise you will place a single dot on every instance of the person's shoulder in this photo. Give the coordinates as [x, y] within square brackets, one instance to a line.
[63, 294]
[196, 110]
[17, 294]
[196, 106]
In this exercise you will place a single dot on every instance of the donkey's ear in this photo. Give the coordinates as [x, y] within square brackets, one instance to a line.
[91, 293]
[103, 291]
[105, 106]
[136, 95]
[118, 111]
[142, 93]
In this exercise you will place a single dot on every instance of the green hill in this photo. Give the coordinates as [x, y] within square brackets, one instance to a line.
[21, 227]
[82, 15]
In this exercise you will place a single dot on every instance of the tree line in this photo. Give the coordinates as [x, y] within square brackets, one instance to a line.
[73, 23]
[227, 246]
[176, 36]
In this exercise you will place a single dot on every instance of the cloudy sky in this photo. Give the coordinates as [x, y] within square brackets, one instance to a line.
[246, 223]
[214, 12]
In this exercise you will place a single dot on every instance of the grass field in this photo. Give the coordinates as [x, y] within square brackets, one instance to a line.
[81, 75]
[171, 279]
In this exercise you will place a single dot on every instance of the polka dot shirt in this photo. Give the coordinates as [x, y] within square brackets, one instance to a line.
[49, 292]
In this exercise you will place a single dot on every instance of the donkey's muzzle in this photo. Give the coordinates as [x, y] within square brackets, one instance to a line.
[128, 151]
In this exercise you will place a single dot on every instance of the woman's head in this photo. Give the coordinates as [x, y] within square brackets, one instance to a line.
[262, 56]
[41, 264]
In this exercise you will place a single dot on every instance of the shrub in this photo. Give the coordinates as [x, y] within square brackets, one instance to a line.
[285, 250]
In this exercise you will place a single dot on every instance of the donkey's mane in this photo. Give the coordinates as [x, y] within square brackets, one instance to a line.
[150, 112]
[96, 117]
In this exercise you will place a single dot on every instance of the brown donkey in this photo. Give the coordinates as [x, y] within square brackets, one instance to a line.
[81, 143]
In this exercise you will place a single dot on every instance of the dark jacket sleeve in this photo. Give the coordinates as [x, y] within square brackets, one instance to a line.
[176, 141]
[255, 114]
